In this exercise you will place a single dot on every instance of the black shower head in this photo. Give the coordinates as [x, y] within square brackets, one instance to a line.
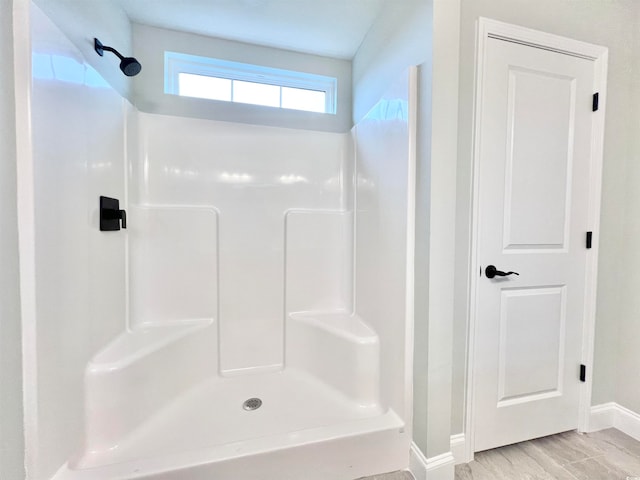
[129, 65]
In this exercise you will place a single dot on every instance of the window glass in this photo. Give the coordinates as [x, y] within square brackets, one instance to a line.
[200, 86]
[256, 93]
[299, 99]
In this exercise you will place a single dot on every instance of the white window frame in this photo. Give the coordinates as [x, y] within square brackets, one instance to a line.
[177, 63]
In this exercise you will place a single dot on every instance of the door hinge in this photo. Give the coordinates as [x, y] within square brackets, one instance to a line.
[583, 373]
[596, 100]
[589, 239]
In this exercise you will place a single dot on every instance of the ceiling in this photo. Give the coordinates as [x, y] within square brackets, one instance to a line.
[332, 28]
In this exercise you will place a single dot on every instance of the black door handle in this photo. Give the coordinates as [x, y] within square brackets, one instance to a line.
[491, 271]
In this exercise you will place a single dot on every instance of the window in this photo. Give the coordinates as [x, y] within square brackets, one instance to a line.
[214, 79]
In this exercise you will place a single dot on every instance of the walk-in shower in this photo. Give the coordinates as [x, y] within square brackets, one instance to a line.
[253, 321]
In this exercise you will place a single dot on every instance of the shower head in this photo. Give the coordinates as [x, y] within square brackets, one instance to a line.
[129, 65]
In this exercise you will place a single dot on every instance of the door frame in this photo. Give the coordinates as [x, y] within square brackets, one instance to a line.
[487, 28]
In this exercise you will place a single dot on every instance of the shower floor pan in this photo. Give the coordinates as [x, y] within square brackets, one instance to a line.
[208, 434]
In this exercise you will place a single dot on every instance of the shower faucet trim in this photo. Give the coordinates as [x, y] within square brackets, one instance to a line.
[111, 215]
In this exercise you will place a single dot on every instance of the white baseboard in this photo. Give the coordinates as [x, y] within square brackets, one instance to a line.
[601, 416]
[606, 415]
[612, 415]
[440, 467]
[417, 463]
[458, 448]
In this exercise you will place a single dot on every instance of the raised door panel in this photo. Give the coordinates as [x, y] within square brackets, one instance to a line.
[538, 159]
[532, 338]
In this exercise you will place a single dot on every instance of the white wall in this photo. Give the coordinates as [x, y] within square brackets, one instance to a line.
[11, 426]
[421, 264]
[78, 124]
[150, 43]
[612, 24]
[444, 129]
[627, 390]
[82, 22]
[402, 37]
[384, 177]
[251, 176]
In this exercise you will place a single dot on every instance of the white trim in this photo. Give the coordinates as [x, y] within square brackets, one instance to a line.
[412, 126]
[417, 463]
[487, 28]
[601, 417]
[612, 415]
[440, 467]
[593, 209]
[627, 421]
[26, 228]
[458, 448]
[535, 38]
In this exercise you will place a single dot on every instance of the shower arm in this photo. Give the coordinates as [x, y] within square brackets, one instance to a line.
[113, 50]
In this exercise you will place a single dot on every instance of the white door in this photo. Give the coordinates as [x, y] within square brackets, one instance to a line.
[534, 154]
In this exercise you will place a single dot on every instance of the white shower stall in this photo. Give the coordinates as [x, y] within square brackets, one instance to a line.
[254, 320]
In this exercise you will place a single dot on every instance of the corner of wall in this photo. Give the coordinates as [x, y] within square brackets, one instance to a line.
[82, 22]
[11, 404]
[398, 39]
[440, 467]
[442, 208]
[614, 415]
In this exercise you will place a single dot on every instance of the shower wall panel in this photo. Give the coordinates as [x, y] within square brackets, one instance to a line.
[252, 176]
[385, 159]
[78, 124]
[319, 261]
[173, 259]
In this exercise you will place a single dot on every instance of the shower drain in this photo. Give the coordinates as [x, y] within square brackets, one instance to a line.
[252, 404]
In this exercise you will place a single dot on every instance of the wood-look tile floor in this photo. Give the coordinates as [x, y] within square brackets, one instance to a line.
[605, 455]
[390, 476]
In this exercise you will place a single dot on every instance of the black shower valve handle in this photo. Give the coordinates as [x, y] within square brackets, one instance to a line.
[123, 217]
[115, 214]
[111, 215]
